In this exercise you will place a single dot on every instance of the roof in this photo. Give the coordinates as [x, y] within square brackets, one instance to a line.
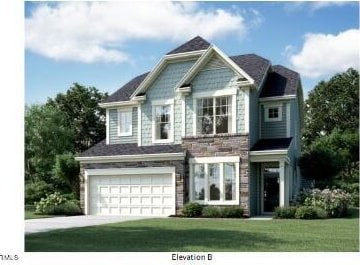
[194, 44]
[272, 144]
[281, 81]
[102, 149]
[124, 93]
[254, 65]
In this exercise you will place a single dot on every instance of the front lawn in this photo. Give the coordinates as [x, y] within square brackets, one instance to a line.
[30, 213]
[181, 234]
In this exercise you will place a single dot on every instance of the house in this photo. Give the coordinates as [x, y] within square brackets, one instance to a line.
[200, 126]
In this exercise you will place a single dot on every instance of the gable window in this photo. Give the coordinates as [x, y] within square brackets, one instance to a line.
[273, 113]
[125, 122]
[163, 130]
[214, 115]
[213, 181]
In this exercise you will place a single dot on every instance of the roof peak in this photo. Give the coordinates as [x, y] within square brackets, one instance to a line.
[195, 44]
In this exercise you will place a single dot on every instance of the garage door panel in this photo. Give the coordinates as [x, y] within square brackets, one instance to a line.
[132, 195]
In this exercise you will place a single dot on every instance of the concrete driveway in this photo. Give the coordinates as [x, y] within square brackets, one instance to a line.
[48, 224]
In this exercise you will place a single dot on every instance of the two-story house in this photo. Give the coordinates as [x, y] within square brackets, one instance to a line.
[200, 126]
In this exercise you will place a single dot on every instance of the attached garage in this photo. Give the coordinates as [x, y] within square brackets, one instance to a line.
[130, 191]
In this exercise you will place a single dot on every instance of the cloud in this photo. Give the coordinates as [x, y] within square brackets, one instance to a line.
[99, 31]
[326, 54]
[313, 6]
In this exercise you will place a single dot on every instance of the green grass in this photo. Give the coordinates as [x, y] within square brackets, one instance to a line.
[181, 234]
[30, 213]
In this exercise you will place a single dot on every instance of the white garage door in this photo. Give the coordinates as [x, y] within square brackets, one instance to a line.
[137, 195]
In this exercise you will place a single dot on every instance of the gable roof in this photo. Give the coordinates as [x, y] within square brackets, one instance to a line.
[281, 81]
[103, 149]
[254, 65]
[194, 44]
[124, 92]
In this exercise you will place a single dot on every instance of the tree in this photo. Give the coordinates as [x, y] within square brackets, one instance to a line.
[332, 105]
[46, 135]
[79, 106]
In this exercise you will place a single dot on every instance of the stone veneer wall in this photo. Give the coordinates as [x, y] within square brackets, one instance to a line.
[179, 176]
[222, 145]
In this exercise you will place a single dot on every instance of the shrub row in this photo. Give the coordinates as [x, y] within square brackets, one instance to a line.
[302, 212]
[58, 204]
[194, 209]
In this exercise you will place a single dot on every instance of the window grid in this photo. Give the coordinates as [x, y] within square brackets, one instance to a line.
[162, 122]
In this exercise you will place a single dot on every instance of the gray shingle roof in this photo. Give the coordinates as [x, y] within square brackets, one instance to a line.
[102, 149]
[253, 65]
[272, 144]
[124, 93]
[281, 81]
[194, 44]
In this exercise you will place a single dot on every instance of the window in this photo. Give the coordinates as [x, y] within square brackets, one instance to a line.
[273, 113]
[215, 183]
[214, 115]
[125, 122]
[163, 123]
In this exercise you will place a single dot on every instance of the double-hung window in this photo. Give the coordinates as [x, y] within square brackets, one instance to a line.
[214, 115]
[163, 125]
[215, 182]
[125, 122]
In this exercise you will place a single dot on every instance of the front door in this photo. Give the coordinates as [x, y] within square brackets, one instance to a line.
[270, 189]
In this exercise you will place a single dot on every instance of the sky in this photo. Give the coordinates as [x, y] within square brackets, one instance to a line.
[105, 44]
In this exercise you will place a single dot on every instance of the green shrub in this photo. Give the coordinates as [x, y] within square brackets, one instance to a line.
[192, 209]
[232, 212]
[57, 204]
[212, 212]
[320, 213]
[34, 191]
[306, 212]
[285, 212]
[334, 202]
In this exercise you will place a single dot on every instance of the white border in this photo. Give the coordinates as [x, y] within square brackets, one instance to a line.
[127, 110]
[266, 110]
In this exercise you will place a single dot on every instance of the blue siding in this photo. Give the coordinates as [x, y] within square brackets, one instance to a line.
[253, 117]
[274, 129]
[113, 128]
[255, 189]
[163, 89]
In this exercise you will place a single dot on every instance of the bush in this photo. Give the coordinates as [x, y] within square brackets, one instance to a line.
[320, 213]
[34, 191]
[57, 204]
[334, 202]
[212, 212]
[232, 212]
[285, 212]
[306, 212]
[192, 209]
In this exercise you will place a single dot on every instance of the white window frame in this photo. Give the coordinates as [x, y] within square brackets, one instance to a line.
[215, 160]
[154, 104]
[230, 92]
[128, 110]
[266, 112]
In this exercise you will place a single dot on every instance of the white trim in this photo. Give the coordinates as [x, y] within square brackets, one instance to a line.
[194, 116]
[216, 93]
[183, 116]
[266, 112]
[184, 55]
[288, 119]
[156, 103]
[130, 158]
[269, 152]
[233, 114]
[118, 104]
[277, 98]
[214, 159]
[247, 110]
[139, 124]
[107, 126]
[265, 76]
[269, 158]
[221, 161]
[162, 102]
[126, 171]
[126, 110]
[282, 201]
[260, 110]
[205, 57]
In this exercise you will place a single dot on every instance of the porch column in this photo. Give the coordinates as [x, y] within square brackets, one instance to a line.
[282, 183]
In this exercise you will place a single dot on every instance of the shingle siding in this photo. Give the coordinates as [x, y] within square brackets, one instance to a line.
[114, 138]
[274, 129]
[253, 117]
[163, 89]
